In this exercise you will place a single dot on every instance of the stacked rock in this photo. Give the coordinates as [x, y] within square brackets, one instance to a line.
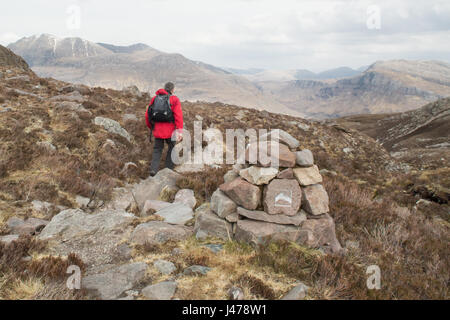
[260, 202]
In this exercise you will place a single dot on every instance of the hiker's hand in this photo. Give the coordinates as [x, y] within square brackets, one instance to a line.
[179, 137]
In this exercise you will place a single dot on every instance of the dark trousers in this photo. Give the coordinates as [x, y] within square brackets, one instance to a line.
[157, 153]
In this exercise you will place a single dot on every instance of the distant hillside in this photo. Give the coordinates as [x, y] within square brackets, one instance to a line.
[9, 59]
[385, 87]
[80, 61]
[259, 75]
[421, 136]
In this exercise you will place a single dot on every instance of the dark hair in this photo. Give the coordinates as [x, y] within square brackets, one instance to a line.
[169, 87]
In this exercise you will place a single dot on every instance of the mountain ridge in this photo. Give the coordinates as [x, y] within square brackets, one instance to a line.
[78, 60]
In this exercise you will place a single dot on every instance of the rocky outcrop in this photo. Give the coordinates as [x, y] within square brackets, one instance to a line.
[95, 238]
[112, 126]
[158, 232]
[112, 283]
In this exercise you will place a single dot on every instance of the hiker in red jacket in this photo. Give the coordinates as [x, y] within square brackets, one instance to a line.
[163, 119]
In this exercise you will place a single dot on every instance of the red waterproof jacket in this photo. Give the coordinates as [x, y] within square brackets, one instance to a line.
[164, 130]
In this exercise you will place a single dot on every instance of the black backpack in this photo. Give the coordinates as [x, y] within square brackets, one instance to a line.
[161, 109]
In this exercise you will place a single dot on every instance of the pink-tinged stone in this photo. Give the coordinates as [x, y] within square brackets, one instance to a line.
[320, 233]
[269, 151]
[258, 232]
[296, 220]
[315, 199]
[243, 193]
[282, 196]
[286, 174]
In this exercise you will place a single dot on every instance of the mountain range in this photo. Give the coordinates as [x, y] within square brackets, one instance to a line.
[384, 87]
[97, 64]
[258, 75]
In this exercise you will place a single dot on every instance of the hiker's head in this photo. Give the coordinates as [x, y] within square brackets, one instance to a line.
[169, 87]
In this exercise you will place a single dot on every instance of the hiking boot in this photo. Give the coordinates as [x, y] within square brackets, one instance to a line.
[152, 173]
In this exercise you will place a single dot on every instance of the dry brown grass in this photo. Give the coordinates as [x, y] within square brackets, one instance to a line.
[203, 183]
[27, 278]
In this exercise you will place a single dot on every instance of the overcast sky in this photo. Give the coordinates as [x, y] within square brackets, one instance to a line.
[283, 34]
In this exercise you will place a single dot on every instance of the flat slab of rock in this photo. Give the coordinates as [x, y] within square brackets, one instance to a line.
[259, 175]
[308, 176]
[112, 283]
[296, 220]
[155, 205]
[305, 158]
[258, 232]
[222, 205]
[315, 200]
[26, 227]
[177, 213]
[243, 193]
[282, 196]
[209, 224]
[95, 238]
[158, 232]
[186, 197]
[160, 291]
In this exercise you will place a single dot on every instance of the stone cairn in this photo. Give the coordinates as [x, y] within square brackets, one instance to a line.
[258, 203]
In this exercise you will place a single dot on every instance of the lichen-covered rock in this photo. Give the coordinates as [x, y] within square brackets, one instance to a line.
[308, 176]
[111, 284]
[160, 291]
[186, 197]
[112, 126]
[305, 158]
[158, 232]
[208, 224]
[222, 205]
[177, 213]
[259, 176]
